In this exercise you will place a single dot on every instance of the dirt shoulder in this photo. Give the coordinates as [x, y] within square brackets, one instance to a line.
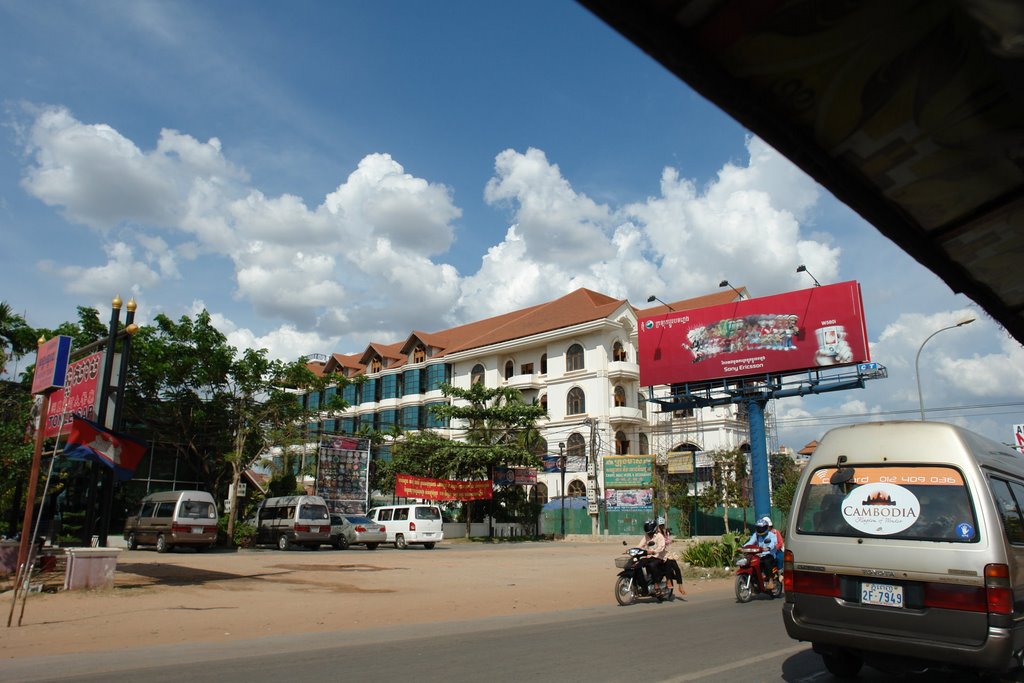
[221, 596]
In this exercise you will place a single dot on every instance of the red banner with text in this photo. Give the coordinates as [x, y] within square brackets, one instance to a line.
[409, 486]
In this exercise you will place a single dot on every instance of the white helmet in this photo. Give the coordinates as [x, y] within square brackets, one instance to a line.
[766, 520]
[661, 521]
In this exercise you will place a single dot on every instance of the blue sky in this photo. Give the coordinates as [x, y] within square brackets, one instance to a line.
[322, 174]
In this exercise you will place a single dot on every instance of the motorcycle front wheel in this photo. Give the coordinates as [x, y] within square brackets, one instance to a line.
[743, 590]
[624, 593]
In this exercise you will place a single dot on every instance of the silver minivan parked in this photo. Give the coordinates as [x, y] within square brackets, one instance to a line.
[905, 550]
[173, 518]
[293, 520]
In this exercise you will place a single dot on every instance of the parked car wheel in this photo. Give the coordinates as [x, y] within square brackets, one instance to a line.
[162, 546]
[131, 543]
[283, 542]
[400, 542]
[341, 543]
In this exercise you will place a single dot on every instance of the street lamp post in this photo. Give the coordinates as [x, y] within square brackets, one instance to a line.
[917, 369]
[561, 464]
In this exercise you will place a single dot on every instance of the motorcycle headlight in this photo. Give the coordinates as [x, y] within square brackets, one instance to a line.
[742, 562]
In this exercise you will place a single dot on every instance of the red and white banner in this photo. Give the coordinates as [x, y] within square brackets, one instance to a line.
[810, 328]
[409, 486]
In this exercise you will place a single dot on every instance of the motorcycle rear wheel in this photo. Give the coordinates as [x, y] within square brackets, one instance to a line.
[624, 592]
[743, 588]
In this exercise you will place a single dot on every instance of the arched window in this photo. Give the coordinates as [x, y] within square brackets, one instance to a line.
[540, 447]
[620, 397]
[619, 353]
[576, 451]
[477, 376]
[576, 402]
[544, 401]
[641, 403]
[577, 489]
[574, 358]
[509, 369]
[419, 354]
[621, 443]
[375, 364]
[644, 446]
[539, 494]
[544, 364]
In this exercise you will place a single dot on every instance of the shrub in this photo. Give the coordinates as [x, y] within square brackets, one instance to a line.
[718, 553]
[245, 535]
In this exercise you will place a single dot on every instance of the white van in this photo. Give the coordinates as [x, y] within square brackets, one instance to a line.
[905, 550]
[172, 518]
[410, 524]
[288, 520]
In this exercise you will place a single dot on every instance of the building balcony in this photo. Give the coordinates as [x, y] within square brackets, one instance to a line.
[622, 414]
[531, 381]
[623, 370]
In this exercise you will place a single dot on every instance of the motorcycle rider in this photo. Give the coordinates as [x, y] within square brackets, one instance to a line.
[653, 543]
[765, 540]
[670, 566]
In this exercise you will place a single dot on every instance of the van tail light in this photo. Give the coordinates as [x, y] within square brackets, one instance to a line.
[302, 528]
[812, 583]
[787, 571]
[180, 529]
[998, 593]
[412, 526]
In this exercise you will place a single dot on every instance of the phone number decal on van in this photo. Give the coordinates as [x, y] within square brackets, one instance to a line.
[908, 476]
[881, 509]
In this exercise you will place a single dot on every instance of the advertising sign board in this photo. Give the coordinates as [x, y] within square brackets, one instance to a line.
[82, 394]
[508, 476]
[343, 473]
[628, 471]
[51, 364]
[1018, 437]
[810, 328]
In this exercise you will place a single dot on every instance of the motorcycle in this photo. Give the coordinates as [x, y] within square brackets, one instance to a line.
[749, 577]
[627, 591]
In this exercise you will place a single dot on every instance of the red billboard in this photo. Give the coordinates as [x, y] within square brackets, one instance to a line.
[810, 328]
[81, 396]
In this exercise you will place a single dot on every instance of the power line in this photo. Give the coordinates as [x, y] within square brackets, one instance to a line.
[841, 417]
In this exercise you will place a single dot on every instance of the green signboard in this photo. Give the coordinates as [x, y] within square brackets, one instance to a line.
[628, 471]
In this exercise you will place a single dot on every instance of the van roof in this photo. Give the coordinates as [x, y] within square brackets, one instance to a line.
[164, 496]
[913, 441]
[293, 500]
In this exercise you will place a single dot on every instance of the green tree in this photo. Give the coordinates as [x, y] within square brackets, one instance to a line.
[784, 475]
[16, 337]
[15, 451]
[725, 488]
[497, 425]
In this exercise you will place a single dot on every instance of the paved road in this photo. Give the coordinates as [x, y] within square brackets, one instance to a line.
[701, 641]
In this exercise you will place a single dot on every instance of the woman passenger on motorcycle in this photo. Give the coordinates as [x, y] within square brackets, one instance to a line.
[764, 539]
[653, 544]
[671, 567]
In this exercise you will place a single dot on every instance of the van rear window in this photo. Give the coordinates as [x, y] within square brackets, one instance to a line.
[197, 509]
[313, 512]
[428, 513]
[912, 502]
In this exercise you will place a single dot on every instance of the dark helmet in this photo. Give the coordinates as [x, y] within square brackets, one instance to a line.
[762, 525]
[650, 526]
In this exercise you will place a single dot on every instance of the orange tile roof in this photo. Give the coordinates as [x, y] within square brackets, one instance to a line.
[576, 307]
[809, 448]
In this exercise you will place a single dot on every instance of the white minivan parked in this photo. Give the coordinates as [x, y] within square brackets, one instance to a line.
[410, 524]
[905, 550]
[173, 518]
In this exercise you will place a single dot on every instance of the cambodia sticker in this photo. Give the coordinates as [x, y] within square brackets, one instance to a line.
[881, 509]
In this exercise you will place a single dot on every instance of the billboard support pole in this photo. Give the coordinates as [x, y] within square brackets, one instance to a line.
[759, 457]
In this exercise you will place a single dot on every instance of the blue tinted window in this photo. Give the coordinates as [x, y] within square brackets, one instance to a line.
[389, 386]
[387, 419]
[412, 381]
[411, 418]
[349, 394]
[370, 391]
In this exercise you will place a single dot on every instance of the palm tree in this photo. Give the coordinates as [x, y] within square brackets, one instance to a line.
[16, 337]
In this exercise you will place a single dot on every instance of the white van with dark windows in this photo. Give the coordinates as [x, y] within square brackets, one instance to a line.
[173, 518]
[905, 550]
[293, 520]
[412, 524]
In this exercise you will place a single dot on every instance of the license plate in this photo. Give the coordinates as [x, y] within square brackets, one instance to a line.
[883, 594]
[197, 529]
